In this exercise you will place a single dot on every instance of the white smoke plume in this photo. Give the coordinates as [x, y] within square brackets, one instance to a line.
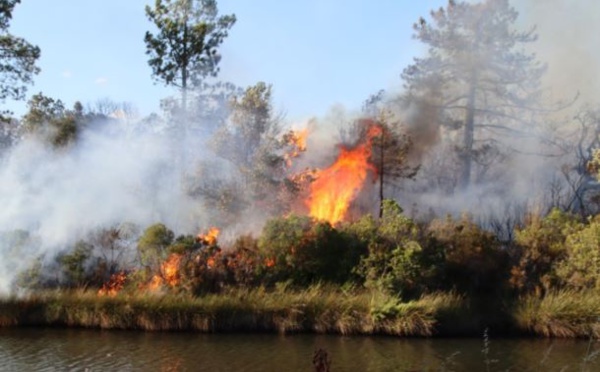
[111, 176]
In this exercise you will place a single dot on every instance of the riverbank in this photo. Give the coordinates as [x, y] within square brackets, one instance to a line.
[316, 309]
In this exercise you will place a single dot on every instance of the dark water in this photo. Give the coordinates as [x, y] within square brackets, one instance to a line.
[81, 350]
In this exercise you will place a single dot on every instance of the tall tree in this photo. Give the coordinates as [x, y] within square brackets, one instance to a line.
[251, 142]
[478, 74]
[50, 117]
[17, 57]
[391, 147]
[184, 50]
[390, 155]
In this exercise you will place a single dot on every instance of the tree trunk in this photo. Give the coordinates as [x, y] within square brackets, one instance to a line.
[467, 155]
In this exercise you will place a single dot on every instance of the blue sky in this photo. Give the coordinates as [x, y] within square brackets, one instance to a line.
[316, 53]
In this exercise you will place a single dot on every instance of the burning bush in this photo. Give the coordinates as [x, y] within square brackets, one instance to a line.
[244, 265]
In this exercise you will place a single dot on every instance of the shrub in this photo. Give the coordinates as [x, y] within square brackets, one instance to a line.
[539, 246]
[580, 267]
[303, 250]
[73, 265]
[152, 246]
[473, 260]
[396, 262]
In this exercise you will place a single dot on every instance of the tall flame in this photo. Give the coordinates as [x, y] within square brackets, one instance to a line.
[337, 186]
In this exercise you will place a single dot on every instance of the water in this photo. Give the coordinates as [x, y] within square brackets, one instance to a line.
[32, 349]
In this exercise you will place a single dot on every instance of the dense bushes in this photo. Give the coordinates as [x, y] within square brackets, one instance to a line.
[395, 255]
[397, 261]
[305, 251]
[539, 245]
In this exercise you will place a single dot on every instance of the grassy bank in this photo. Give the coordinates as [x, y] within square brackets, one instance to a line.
[316, 309]
[564, 313]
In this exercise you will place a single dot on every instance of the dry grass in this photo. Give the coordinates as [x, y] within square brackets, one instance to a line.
[316, 309]
[563, 314]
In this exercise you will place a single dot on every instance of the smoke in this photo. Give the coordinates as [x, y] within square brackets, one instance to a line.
[111, 176]
[517, 170]
[569, 35]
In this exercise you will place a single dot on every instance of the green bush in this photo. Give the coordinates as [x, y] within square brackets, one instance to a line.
[539, 246]
[580, 267]
[396, 262]
[152, 246]
[473, 259]
[73, 265]
[303, 250]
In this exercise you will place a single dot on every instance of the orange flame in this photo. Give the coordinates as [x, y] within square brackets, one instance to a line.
[210, 238]
[170, 269]
[114, 285]
[169, 273]
[296, 139]
[269, 262]
[337, 186]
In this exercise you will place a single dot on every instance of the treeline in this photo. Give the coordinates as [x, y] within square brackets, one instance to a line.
[395, 254]
[542, 282]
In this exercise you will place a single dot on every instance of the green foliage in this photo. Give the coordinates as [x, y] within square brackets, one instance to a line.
[396, 262]
[302, 250]
[17, 57]
[31, 278]
[473, 260]
[152, 246]
[560, 313]
[50, 118]
[15, 246]
[580, 269]
[593, 165]
[184, 50]
[538, 246]
[73, 265]
[252, 144]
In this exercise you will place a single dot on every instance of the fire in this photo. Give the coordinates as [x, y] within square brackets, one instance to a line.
[269, 262]
[114, 285]
[297, 140]
[170, 269]
[210, 238]
[169, 273]
[337, 186]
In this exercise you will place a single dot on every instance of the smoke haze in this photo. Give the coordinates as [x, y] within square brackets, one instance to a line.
[108, 178]
[114, 175]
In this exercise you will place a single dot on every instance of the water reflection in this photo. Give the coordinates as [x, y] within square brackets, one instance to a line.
[33, 349]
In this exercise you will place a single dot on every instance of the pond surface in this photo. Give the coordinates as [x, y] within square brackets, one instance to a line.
[34, 349]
